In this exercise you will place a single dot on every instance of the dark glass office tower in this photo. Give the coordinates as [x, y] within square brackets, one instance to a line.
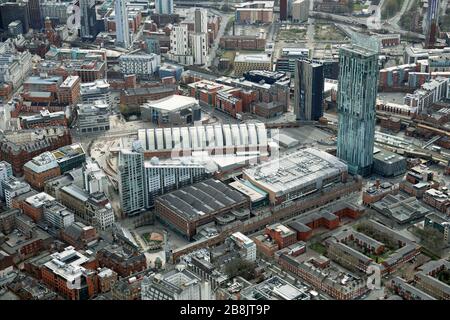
[308, 94]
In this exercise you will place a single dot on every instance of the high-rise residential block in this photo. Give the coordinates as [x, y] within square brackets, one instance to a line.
[308, 96]
[357, 91]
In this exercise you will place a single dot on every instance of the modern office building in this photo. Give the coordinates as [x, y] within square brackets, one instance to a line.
[357, 91]
[308, 90]
[168, 175]
[69, 157]
[93, 117]
[123, 35]
[12, 187]
[144, 66]
[164, 6]
[58, 215]
[131, 179]
[97, 90]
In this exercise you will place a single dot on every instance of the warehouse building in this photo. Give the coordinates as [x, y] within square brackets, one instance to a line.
[191, 207]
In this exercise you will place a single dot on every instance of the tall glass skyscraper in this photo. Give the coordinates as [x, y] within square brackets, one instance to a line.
[131, 179]
[357, 91]
[308, 90]
[123, 36]
[164, 6]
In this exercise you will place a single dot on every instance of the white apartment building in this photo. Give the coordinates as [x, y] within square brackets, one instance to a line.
[144, 66]
[164, 6]
[430, 92]
[199, 45]
[179, 45]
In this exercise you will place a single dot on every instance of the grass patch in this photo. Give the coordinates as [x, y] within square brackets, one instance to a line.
[359, 6]
[318, 247]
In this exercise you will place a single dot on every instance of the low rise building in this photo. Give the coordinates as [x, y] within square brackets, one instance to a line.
[44, 119]
[247, 62]
[388, 164]
[123, 262]
[69, 157]
[68, 274]
[97, 90]
[401, 208]
[172, 111]
[183, 210]
[40, 169]
[245, 246]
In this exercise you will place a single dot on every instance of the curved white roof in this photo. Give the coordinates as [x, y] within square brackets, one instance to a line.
[204, 137]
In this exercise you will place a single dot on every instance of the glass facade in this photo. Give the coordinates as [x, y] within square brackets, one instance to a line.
[357, 91]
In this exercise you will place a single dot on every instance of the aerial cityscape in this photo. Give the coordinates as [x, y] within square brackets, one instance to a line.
[226, 150]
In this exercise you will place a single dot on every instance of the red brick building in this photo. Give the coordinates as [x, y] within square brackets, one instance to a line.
[69, 90]
[282, 235]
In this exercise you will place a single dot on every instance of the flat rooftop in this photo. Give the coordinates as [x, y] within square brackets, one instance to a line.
[295, 170]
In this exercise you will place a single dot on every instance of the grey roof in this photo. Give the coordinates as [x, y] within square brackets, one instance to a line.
[416, 293]
[206, 197]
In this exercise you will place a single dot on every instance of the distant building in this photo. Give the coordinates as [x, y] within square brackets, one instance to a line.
[179, 45]
[40, 169]
[274, 288]
[164, 6]
[273, 176]
[300, 10]
[19, 147]
[67, 274]
[247, 62]
[124, 263]
[254, 12]
[43, 119]
[183, 211]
